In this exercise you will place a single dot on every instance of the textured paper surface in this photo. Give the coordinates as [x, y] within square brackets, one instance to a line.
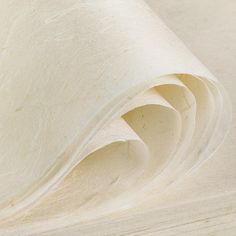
[107, 83]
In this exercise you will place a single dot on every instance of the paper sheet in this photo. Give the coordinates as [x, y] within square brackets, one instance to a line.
[102, 108]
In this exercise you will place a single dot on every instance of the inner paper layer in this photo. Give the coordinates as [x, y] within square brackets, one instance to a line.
[101, 105]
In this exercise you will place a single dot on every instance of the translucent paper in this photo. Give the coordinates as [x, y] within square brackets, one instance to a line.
[102, 108]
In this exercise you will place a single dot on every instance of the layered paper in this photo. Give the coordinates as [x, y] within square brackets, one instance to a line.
[102, 108]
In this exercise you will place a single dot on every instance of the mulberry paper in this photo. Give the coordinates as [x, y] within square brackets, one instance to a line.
[102, 108]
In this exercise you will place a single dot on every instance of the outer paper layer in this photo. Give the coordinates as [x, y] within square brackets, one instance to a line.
[101, 107]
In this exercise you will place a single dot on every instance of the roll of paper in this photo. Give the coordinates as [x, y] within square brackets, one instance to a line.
[101, 109]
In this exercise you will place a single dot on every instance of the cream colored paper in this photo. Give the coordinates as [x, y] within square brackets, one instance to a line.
[102, 108]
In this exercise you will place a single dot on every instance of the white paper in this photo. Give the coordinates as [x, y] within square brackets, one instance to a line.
[102, 108]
